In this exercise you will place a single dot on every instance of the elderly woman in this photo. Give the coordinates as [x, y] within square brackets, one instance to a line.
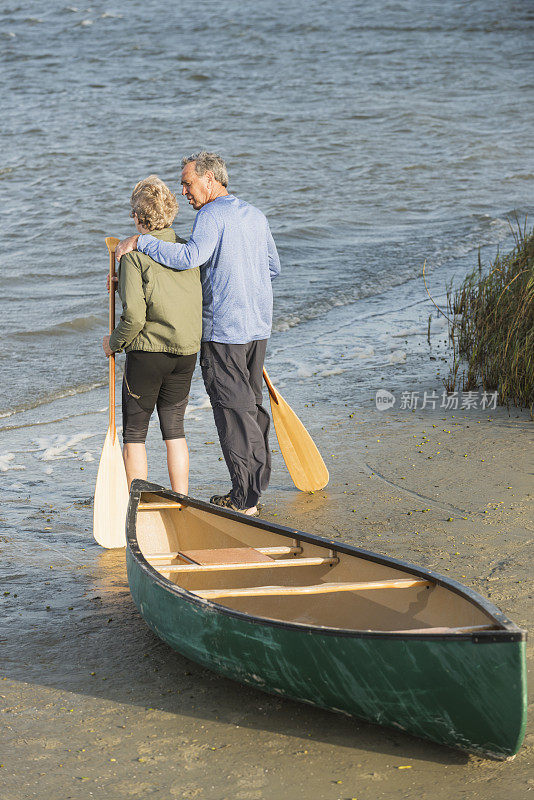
[160, 330]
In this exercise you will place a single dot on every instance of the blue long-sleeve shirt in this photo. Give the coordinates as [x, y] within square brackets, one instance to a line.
[232, 243]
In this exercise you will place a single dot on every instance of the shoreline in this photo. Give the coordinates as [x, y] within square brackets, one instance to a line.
[87, 686]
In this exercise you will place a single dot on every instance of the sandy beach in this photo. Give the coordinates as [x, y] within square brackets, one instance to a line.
[94, 705]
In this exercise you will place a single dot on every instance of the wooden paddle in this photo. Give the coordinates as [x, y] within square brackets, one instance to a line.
[303, 460]
[111, 491]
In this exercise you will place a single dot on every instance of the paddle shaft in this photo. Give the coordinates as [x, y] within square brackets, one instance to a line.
[270, 387]
[111, 329]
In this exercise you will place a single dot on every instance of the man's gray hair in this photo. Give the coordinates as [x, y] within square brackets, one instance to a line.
[208, 161]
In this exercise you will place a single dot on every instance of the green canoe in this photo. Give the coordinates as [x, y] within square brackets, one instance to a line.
[326, 623]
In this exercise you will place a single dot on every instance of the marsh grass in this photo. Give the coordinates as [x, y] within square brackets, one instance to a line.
[492, 328]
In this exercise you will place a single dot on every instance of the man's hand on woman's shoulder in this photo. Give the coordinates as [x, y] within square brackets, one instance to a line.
[126, 246]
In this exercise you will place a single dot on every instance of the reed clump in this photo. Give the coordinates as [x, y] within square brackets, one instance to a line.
[493, 326]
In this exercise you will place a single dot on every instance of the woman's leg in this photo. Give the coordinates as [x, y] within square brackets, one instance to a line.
[134, 455]
[171, 405]
[178, 464]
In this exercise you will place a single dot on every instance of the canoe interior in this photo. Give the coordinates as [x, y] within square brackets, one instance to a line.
[281, 577]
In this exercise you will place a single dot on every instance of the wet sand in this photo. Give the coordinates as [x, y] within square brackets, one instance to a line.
[94, 705]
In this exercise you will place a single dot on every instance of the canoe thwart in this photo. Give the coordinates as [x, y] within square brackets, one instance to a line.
[281, 562]
[321, 588]
[224, 555]
[282, 550]
[153, 506]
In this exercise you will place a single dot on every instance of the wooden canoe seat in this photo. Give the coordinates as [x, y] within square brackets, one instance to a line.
[321, 588]
[225, 555]
[270, 564]
[282, 550]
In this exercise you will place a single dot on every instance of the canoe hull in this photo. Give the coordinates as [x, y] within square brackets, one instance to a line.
[465, 692]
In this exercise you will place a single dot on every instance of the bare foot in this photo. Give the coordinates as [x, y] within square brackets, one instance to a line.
[251, 512]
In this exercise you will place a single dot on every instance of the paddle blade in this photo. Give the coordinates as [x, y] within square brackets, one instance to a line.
[111, 495]
[303, 460]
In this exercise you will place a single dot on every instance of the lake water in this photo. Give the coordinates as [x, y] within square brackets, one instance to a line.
[374, 136]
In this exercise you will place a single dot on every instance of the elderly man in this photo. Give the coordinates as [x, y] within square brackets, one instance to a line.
[232, 243]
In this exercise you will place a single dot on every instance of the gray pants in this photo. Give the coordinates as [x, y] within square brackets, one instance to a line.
[233, 379]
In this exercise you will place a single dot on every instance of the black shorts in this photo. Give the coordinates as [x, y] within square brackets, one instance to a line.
[155, 379]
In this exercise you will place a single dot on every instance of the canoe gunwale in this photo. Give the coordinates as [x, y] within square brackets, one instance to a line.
[509, 633]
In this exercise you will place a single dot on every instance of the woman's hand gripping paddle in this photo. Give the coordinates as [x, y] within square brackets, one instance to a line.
[111, 492]
[303, 460]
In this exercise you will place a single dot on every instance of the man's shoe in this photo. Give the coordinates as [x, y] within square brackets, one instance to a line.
[220, 499]
[224, 501]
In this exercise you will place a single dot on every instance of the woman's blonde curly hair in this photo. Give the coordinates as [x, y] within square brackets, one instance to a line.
[154, 203]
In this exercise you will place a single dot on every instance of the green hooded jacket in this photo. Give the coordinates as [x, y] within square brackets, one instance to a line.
[161, 307]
